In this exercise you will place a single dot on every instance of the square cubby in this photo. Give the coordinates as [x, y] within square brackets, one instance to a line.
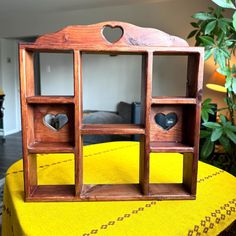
[51, 128]
[172, 127]
[174, 75]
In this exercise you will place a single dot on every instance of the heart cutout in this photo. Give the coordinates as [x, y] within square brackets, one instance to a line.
[55, 122]
[166, 121]
[112, 34]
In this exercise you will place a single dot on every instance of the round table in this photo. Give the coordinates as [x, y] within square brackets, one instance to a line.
[117, 162]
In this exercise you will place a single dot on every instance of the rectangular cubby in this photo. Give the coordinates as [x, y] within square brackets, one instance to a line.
[49, 69]
[167, 180]
[116, 77]
[96, 185]
[171, 72]
[53, 120]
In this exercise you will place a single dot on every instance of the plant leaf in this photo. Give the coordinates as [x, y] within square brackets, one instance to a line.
[223, 119]
[207, 148]
[194, 24]
[210, 27]
[224, 71]
[212, 125]
[205, 133]
[207, 101]
[216, 134]
[210, 111]
[224, 3]
[234, 20]
[203, 16]
[231, 135]
[233, 128]
[191, 34]
[228, 82]
[207, 55]
[204, 115]
[225, 143]
[207, 40]
[219, 57]
[234, 85]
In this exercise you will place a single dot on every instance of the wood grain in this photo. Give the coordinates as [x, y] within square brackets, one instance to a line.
[183, 137]
[93, 35]
[175, 134]
[45, 134]
[173, 100]
[50, 100]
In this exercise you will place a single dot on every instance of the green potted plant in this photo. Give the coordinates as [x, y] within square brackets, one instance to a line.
[217, 34]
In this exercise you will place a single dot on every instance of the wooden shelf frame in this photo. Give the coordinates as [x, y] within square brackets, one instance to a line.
[136, 41]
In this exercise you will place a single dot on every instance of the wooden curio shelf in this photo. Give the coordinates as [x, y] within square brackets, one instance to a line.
[54, 124]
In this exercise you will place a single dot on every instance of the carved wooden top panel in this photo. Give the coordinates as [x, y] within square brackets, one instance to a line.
[125, 35]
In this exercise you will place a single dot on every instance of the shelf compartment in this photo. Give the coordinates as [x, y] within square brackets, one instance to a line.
[170, 147]
[169, 192]
[174, 124]
[112, 129]
[53, 193]
[56, 129]
[51, 147]
[50, 100]
[173, 100]
[112, 192]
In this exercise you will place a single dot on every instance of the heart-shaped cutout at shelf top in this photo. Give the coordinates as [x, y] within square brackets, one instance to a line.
[166, 121]
[55, 122]
[112, 34]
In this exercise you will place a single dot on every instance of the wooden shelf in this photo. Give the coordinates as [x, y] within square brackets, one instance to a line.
[169, 191]
[113, 192]
[166, 121]
[53, 193]
[112, 129]
[170, 147]
[53, 147]
[50, 99]
[173, 100]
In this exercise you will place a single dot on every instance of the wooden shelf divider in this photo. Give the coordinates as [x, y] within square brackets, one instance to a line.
[50, 100]
[78, 122]
[112, 129]
[173, 100]
[170, 147]
[51, 147]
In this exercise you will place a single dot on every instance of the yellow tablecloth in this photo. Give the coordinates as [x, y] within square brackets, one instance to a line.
[117, 162]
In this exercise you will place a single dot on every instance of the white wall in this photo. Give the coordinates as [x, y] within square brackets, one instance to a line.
[107, 80]
[56, 73]
[10, 85]
[173, 17]
[111, 79]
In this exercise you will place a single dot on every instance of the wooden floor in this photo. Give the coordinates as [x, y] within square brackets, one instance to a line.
[10, 152]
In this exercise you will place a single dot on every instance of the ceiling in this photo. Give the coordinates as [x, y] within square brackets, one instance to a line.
[9, 7]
